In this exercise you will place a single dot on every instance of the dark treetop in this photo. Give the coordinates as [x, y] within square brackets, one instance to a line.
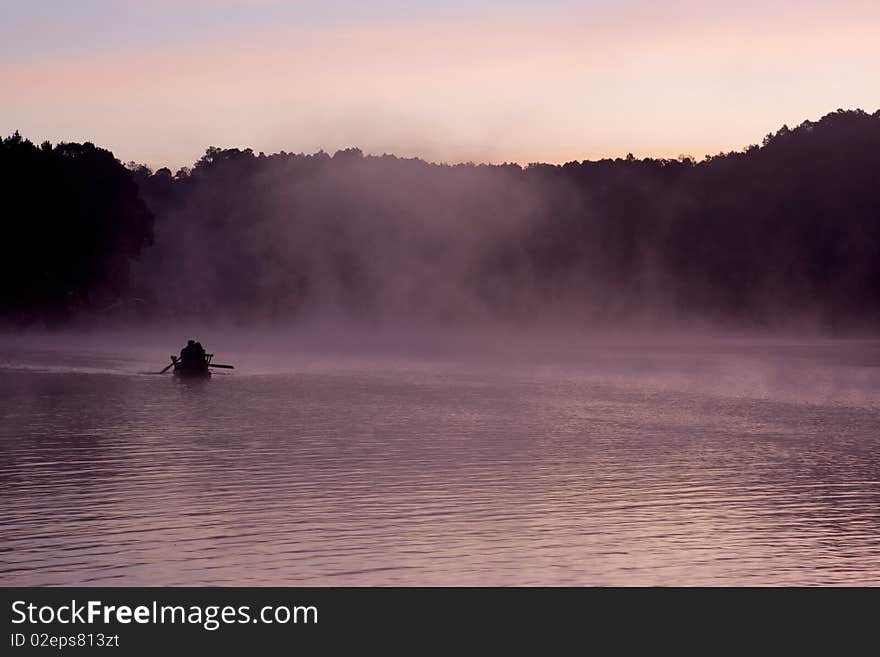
[72, 219]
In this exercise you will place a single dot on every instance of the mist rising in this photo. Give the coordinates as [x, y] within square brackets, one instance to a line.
[780, 234]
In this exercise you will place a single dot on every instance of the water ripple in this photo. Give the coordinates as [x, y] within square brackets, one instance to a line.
[403, 474]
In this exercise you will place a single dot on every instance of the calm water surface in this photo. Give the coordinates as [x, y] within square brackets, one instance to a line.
[719, 463]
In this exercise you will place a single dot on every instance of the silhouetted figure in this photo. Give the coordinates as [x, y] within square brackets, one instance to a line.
[192, 355]
[193, 361]
[199, 355]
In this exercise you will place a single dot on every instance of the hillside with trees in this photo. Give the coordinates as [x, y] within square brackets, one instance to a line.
[786, 229]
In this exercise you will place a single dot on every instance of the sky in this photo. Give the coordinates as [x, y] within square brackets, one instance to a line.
[480, 80]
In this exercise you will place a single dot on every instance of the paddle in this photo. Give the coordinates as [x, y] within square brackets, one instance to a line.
[210, 364]
[168, 367]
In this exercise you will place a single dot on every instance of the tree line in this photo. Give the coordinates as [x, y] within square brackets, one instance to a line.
[782, 231]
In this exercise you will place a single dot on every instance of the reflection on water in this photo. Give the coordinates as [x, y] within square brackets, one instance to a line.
[726, 465]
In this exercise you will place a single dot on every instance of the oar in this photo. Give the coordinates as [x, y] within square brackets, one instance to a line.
[226, 367]
[173, 360]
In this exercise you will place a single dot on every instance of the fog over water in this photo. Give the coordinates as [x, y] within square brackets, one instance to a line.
[336, 456]
[632, 370]
[782, 236]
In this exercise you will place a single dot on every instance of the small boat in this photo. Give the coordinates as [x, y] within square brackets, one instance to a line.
[200, 369]
[192, 370]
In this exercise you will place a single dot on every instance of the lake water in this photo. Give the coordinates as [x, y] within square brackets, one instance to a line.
[481, 461]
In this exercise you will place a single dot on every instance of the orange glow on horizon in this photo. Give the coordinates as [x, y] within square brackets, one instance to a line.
[532, 88]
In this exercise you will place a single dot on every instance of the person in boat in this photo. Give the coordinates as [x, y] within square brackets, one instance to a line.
[199, 355]
[186, 352]
[192, 355]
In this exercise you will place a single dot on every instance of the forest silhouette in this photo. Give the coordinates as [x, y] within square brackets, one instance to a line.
[785, 230]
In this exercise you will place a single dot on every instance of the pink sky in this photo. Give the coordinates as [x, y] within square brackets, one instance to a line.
[552, 82]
